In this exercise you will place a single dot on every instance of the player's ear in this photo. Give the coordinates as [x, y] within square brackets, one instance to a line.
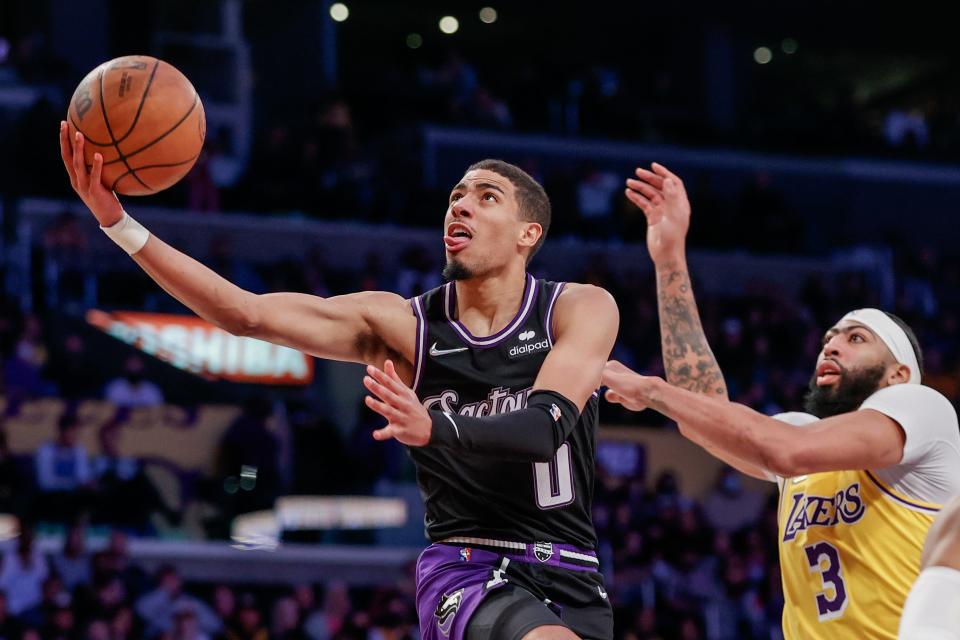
[530, 234]
[898, 373]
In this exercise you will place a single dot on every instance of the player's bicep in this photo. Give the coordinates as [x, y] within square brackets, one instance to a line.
[337, 328]
[587, 320]
[865, 439]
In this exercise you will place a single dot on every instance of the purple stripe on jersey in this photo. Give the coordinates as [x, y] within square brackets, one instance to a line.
[549, 319]
[529, 296]
[421, 340]
[903, 501]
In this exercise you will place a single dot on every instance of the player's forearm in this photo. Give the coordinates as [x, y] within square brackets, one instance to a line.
[532, 434]
[688, 361]
[733, 428]
[199, 288]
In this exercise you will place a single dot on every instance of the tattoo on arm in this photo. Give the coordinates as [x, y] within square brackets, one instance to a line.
[687, 358]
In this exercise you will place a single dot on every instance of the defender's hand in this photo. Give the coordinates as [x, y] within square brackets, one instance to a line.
[625, 386]
[663, 199]
[407, 420]
[101, 201]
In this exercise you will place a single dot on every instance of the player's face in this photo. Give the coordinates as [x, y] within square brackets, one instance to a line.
[849, 347]
[852, 365]
[482, 227]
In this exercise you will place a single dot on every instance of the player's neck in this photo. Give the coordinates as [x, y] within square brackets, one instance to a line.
[486, 305]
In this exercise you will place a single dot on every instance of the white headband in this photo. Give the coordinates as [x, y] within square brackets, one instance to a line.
[892, 335]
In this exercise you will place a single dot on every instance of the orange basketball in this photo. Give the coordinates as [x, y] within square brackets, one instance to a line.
[144, 117]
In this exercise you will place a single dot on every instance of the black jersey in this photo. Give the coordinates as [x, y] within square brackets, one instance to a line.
[472, 495]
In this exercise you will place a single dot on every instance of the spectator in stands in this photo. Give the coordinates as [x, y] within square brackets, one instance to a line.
[53, 598]
[114, 562]
[23, 571]
[285, 621]
[159, 607]
[61, 625]
[73, 563]
[132, 389]
[417, 272]
[729, 506]
[186, 625]
[125, 495]
[224, 603]
[23, 369]
[248, 442]
[596, 191]
[63, 473]
[124, 624]
[331, 619]
[249, 621]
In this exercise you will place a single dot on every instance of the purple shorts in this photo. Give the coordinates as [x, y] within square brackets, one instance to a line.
[453, 579]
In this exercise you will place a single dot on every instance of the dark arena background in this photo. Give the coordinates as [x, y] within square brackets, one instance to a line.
[160, 478]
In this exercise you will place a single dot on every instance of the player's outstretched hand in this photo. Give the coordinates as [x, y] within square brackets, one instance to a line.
[101, 201]
[662, 197]
[407, 420]
[624, 386]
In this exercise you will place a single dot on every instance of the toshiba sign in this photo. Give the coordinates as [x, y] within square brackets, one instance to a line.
[189, 343]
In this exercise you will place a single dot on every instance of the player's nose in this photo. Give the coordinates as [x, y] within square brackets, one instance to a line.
[461, 209]
[832, 346]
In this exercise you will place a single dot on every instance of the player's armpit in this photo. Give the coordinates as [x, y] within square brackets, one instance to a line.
[365, 327]
[586, 320]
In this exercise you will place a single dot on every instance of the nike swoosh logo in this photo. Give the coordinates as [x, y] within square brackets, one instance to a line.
[603, 594]
[442, 352]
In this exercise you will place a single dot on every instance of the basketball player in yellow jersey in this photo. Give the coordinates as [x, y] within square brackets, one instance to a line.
[862, 473]
[932, 611]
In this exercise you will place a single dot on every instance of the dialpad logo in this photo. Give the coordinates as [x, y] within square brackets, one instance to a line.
[526, 348]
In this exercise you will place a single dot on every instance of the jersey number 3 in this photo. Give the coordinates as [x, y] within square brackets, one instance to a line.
[824, 559]
[554, 480]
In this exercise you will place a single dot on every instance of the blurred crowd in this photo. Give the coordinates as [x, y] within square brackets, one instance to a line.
[675, 568]
[679, 568]
[76, 593]
[337, 152]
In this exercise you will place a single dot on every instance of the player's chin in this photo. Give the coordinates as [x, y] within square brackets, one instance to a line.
[457, 269]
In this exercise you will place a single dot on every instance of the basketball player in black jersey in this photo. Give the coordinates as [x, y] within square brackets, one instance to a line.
[490, 381]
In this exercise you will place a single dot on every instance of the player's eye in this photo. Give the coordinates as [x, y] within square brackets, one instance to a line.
[856, 337]
[455, 197]
[490, 196]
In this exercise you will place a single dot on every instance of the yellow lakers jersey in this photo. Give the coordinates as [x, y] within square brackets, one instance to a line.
[849, 552]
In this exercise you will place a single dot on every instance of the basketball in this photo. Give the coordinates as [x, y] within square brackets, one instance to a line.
[144, 117]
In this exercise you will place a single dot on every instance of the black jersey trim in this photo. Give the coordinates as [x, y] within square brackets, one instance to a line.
[450, 305]
[548, 321]
[419, 356]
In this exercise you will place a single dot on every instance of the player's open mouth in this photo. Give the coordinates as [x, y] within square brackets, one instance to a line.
[458, 236]
[828, 372]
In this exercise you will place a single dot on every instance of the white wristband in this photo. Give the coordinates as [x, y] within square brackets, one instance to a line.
[129, 234]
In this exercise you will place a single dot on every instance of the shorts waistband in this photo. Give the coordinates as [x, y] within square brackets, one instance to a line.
[553, 554]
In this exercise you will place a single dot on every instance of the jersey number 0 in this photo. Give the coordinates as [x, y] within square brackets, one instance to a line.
[554, 480]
